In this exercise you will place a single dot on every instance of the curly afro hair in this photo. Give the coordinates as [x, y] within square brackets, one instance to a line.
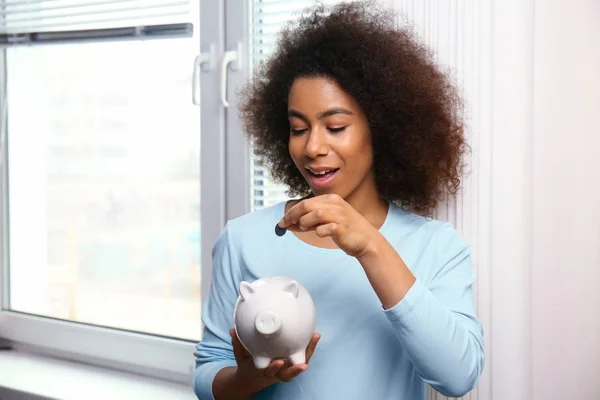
[414, 111]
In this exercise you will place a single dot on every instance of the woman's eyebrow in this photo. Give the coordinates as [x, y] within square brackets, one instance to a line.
[333, 111]
[321, 115]
[297, 114]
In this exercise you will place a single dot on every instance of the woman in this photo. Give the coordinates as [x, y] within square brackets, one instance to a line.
[353, 115]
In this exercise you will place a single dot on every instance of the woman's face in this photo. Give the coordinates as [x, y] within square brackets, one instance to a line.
[330, 140]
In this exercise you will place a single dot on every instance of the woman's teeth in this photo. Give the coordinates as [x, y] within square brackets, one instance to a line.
[321, 179]
[321, 173]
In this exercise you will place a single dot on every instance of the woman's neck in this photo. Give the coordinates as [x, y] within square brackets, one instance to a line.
[370, 205]
[368, 202]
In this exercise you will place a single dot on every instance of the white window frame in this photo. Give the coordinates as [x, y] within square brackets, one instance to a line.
[225, 185]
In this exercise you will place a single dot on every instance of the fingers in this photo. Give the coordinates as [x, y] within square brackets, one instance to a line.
[312, 346]
[309, 221]
[273, 369]
[278, 369]
[238, 349]
[330, 229]
[292, 371]
[287, 374]
[295, 213]
[307, 205]
[306, 217]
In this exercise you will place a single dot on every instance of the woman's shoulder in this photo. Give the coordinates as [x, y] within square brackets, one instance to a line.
[406, 223]
[429, 245]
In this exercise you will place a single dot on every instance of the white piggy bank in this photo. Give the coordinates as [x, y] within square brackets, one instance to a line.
[274, 318]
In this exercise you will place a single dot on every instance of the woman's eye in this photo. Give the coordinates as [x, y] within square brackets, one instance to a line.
[298, 131]
[336, 130]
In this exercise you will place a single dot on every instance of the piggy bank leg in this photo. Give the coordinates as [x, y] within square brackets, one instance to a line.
[261, 362]
[298, 357]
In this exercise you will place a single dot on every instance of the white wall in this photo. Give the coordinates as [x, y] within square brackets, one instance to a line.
[539, 296]
[530, 72]
[544, 335]
[565, 271]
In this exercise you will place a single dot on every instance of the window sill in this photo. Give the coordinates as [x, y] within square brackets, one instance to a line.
[26, 376]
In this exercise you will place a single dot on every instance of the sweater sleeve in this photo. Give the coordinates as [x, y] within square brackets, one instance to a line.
[215, 351]
[436, 321]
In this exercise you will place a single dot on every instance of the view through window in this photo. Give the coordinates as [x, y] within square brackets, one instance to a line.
[104, 184]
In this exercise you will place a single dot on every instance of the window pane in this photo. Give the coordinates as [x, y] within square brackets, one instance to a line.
[267, 20]
[104, 184]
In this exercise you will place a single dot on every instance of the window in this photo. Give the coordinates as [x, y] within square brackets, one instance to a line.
[100, 184]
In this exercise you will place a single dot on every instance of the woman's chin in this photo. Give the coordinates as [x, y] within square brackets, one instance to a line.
[324, 191]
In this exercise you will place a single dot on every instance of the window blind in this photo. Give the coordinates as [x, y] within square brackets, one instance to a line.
[268, 17]
[26, 21]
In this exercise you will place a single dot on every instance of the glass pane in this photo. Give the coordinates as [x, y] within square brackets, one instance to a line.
[267, 20]
[104, 184]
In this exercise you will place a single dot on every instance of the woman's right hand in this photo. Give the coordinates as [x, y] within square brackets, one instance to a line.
[277, 371]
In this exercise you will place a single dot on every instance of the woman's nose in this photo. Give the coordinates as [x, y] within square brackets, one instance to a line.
[316, 144]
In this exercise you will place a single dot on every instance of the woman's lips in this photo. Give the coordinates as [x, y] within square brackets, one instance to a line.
[322, 180]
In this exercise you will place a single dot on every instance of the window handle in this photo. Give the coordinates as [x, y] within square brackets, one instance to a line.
[232, 57]
[205, 61]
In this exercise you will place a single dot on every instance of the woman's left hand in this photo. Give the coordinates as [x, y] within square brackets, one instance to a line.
[330, 215]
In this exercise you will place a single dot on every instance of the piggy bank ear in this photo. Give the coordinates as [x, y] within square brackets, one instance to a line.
[292, 288]
[246, 290]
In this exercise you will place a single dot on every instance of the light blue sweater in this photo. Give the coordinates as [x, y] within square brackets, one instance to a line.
[431, 336]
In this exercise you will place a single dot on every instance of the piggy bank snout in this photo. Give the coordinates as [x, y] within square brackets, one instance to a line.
[267, 322]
